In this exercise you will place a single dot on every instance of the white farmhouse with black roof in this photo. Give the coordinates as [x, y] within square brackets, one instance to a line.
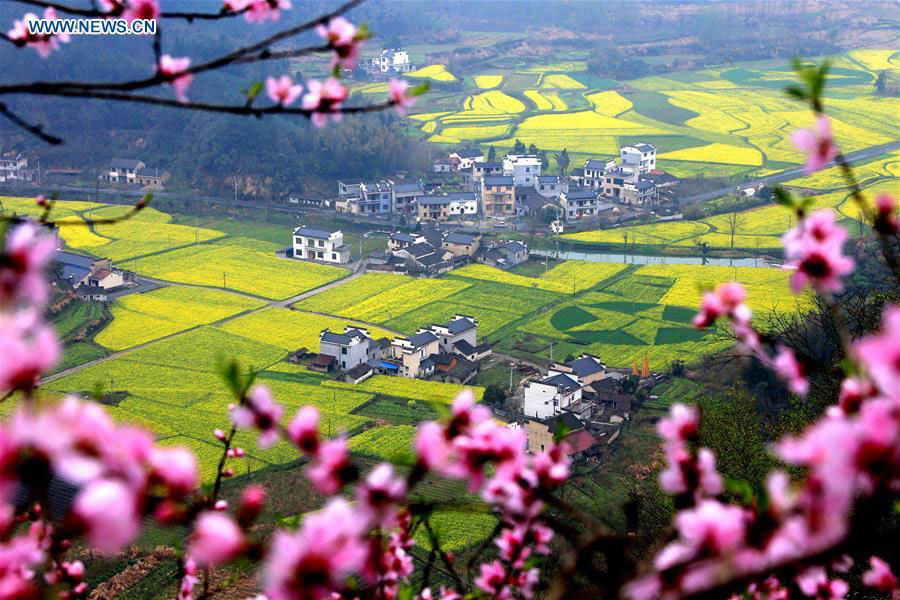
[316, 244]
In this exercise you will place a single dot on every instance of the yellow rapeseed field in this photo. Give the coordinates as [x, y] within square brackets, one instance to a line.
[487, 82]
[717, 153]
[610, 104]
[562, 82]
[435, 72]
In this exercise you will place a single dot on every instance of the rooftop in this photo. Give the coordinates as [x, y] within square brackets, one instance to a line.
[76, 260]
[463, 347]
[433, 200]
[548, 179]
[313, 233]
[594, 163]
[421, 339]
[460, 238]
[563, 381]
[124, 163]
[515, 246]
[421, 249]
[566, 419]
[407, 187]
[488, 165]
[586, 365]
[460, 324]
[580, 194]
[498, 180]
[468, 153]
[399, 236]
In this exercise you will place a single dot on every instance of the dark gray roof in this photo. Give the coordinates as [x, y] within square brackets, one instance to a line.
[459, 325]
[433, 200]
[646, 147]
[660, 178]
[399, 236]
[585, 366]
[488, 165]
[548, 179]
[407, 187]
[459, 238]
[420, 339]
[335, 338]
[313, 233]
[580, 194]
[359, 370]
[579, 172]
[426, 364]
[461, 196]
[75, 260]
[463, 347]
[515, 246]
[421, 249]
[563, 381]
[430, 260]
[644, 184]
[498, 180]
[150, 172]
[594, 163]
[124, 163]
[495, 255]
[566, 418]
[433, 235]
[468, 153]
[85, 290]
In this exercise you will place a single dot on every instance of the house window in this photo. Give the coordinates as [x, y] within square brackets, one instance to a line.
[343, 351]
[333, 256]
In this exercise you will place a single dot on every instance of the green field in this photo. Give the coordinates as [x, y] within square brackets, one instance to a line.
[718, 121]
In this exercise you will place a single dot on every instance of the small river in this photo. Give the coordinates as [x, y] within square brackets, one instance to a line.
[651, 259]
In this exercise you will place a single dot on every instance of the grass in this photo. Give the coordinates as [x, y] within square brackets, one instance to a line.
[240, 267]
[346, 295]
[140, 318]
[567, 278]
[402, 387]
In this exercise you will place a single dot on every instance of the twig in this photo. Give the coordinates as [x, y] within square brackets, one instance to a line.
[82, 222]
[435, 545]
[217, 486]
[37, 130]
[81, 12]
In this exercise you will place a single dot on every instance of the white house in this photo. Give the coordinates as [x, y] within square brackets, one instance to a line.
[524, 168]
[351, 348]
[315, 244]
[550, 186]
[460, 328]
[593, 171]
[549, 396]
[393, 61]
[15, 169]
[464, 159]
[640, 156]
[579, 203]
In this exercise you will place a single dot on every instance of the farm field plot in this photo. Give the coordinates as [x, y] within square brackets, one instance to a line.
[351, 292]
[723, 153]
[562, 82]
[435, 72]
[489, 320]
[290, 330]
[456, 530]
[400, 299]
[648, 312]
[566, 278]
[139, 318]
[655, 233]
[236, 267]
[66, 212]
[403, 387]
[487, 82]
[387, 442]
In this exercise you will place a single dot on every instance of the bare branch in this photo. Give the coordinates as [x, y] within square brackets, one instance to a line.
[37, 130]
[83, 12]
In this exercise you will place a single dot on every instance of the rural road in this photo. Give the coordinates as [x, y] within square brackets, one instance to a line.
[359, 270]
[789, 174]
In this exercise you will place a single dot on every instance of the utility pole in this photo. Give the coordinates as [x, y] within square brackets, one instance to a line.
[551, 351]
[510, 377]
[224, 285]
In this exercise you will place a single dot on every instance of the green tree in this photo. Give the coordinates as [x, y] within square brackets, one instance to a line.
[518, 147]
[494, 395]
[492, 154]
[545, 162]
[881, 82]
[562, 160]
[532, 149]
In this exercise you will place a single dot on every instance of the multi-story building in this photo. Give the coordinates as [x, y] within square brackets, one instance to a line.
[325, 246]
[364, 197]
[464, 159]
[127, 171]
[393, 61]
[457, 205]
[641, 157]
[472, 177]
[579, 203]
[523, 168]
[461, 244]
[550, 186]
[461, 328]
[352, 347]
[15, 169]
[498, 196]
[550, 396]
[413, 354]
[592, 174]
[404, 195]
[625, 184]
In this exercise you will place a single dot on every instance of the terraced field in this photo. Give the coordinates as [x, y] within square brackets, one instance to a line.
[721, 121]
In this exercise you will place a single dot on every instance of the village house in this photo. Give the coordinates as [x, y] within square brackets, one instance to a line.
[461, 244]
[459, 328]
[399, 240]
[498, 196]
[551, 395]
[480, 170]
[404, 195]
[423, 257]
[442, 165]
[464, 159]
[453, 368]
[625, 185]
[541, 432]
[412, 355]
[550, 186]
[455, 206]
[641, 157]
[579, 203]
[316, 244]
[364, 197]
[529, 202]
[15, 168]
[661, 179]
[126, 171]
[523, 168]
[586, 368]
[392, 60]
[91, 278]
[352, 347]
[505, 255]
[592, 174]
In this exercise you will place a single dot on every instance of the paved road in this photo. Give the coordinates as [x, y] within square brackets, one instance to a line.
[788, 174]
[359, 270]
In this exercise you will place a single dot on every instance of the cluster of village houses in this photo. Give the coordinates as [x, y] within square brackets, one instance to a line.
[515, 187]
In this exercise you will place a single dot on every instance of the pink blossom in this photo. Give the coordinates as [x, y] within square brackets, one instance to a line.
[853, 392]
[253, 499]
[682, 423]
[112, 7]
[190, 579]
[176, 468]
[813, 251]
[379, 494]
[108, 510]
[492, 580]
[329, 470]
[710, 482]
[552, 465]
[880, 353]
[791, 371]
[283, 90]
[341, 36]
[28, 347]
[317, 558]
[236, 6]
[43, 44]
[324, 99]
[19, 557]
[400, 97]
[431, 446]
[171, 69]
[28, 250]
[303, 429]
[261, 10]
[141, 9]
[814, 582]
[261, 411]
[216, 539]
[817, 143]
[879, 576]
[712, 525]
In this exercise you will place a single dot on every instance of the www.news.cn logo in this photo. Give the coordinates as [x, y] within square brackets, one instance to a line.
[91, 27]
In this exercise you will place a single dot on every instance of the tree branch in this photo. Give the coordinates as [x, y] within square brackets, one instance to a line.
[37, 130]
[86, 12]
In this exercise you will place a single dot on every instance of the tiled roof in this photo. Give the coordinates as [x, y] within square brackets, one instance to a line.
[313, 233]
[459, 325]
[420, 339]
[459, 238]
[498, 180]
[563, 381]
